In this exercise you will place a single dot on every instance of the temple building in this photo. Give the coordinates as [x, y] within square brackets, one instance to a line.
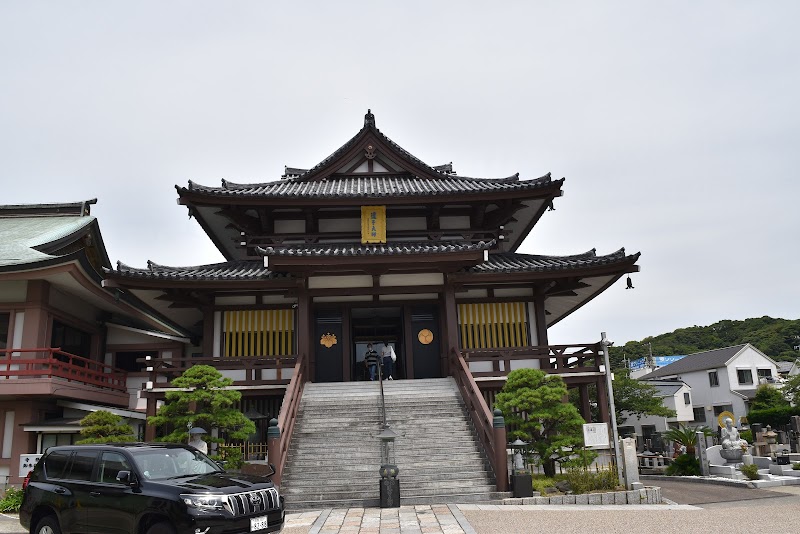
[370, 245]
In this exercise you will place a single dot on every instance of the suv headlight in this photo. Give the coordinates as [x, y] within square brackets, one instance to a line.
[204, 502]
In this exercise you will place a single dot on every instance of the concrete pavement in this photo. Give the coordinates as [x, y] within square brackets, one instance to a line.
[743, 512]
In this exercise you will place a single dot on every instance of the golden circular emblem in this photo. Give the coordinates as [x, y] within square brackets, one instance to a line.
[724, 415]
[425, 336]
[328, 340]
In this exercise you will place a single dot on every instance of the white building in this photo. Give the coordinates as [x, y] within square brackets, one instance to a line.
[675, 395]
[720, 380]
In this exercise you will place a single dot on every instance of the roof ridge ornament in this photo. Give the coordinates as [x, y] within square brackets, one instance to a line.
[369, 119]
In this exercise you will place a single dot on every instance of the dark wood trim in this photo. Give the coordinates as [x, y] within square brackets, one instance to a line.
[540, 320]
[305, 329]
[408, 343]
[450, 310]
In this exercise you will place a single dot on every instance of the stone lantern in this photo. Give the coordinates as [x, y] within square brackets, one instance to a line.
[389, 484]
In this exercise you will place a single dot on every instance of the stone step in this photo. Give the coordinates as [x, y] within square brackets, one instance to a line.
[370, 490]
[405, 500]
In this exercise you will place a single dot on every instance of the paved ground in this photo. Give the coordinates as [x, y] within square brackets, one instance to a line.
[740, 510]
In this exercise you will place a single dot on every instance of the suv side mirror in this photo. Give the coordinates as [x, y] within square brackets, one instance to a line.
[127, 478]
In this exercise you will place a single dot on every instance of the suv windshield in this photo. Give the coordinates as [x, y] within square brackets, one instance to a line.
[158, 464]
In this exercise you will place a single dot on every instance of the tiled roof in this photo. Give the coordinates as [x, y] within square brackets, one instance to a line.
[370, 127]
[699, 361]
[346, 249]
[514, 263]
[20, 236]
[231, 270]
[371, 186]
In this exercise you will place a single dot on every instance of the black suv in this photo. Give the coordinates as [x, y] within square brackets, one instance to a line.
[145, 488]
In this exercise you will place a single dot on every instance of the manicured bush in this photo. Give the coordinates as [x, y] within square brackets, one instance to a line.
[796, 466]
[746, 435]
[586, 481]
[750, 471]
[775, 417]
[11, 501]
[685, 465]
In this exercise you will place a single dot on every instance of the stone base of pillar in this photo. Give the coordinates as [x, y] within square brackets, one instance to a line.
[390, 493]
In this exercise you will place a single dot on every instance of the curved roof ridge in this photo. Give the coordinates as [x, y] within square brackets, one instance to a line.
[369, 249]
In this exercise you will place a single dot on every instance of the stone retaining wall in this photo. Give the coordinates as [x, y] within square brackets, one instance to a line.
[649, 495]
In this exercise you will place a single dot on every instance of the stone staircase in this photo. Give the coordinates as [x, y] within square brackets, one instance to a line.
[334, 454]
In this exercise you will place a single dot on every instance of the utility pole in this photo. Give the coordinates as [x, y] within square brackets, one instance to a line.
[612, 408]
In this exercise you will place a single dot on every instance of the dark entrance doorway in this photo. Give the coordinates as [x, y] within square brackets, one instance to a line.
[329, 346]
[425, 342]
[376, 325]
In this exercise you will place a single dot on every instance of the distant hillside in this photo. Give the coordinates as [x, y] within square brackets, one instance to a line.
[777, 338]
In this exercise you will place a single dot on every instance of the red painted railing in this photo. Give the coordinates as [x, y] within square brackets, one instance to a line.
[55, 363]
[561, 359]
[288, 415]
[482, 417]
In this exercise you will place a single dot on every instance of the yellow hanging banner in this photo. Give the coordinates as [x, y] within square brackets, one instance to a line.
[373, 224]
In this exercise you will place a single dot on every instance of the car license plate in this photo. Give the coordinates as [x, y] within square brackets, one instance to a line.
[258, 523]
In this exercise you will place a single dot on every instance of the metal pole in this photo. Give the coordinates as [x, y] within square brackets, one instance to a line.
[612, 409]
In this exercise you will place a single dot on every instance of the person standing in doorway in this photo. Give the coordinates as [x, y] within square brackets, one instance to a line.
[388, 357]
[371, 361]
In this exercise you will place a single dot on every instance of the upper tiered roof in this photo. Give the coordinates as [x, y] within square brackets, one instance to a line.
[368, 168]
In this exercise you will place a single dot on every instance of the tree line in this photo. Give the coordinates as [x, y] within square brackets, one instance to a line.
[777, 338]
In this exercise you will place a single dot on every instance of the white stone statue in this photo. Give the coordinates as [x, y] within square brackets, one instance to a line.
[730, 436]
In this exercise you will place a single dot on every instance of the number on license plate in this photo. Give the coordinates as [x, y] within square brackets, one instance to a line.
[258, 523]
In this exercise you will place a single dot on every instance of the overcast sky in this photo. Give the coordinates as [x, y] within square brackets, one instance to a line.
[675, 124]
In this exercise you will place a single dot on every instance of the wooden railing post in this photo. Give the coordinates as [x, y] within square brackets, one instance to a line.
[500, 459]
[274, 450]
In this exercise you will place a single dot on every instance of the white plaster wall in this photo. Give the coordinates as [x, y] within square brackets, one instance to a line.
[217, 334]
[753, 360]
[459, 223]
[394, 224]
[339, 282]
[71, 305]
[340, 225]
[685, 412]
[290, 227]
[405, 280]
[473, 294]
[13, 291]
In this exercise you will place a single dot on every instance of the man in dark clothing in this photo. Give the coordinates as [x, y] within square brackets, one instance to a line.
[371, 361]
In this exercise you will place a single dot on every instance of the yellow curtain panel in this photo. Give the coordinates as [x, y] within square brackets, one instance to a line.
[258, 333]
[493, 325]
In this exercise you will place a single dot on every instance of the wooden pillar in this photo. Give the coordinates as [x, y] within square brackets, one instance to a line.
[602, 400]
[408, 344]
[35, 331]
[450, 324]
[540, 320]
[586, 407]
[208, 331]
[150, 430]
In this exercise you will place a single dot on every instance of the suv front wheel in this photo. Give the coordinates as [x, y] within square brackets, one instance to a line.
[47, 525]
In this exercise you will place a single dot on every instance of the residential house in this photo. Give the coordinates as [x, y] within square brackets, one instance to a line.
[721, 380]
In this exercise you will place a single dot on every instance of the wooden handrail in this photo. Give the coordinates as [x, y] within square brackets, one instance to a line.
[554, 359]
[477, 408]
[50, 362]
[288, 413]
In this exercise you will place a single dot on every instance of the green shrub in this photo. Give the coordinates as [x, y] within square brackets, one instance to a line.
[750, 471]
[796, 466]
[11, 501]
[746, 435]
[585, 481]
[685, 465]
[232, 456]
[541, 483]
[775, 417]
